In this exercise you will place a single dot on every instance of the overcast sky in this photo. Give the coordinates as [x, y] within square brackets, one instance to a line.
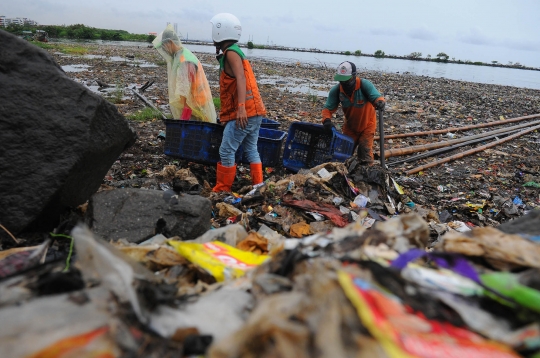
[475, 30]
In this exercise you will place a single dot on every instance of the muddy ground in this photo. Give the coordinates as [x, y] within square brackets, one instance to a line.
[480, 189]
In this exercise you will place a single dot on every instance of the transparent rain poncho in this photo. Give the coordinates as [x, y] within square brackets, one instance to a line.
[189, 93]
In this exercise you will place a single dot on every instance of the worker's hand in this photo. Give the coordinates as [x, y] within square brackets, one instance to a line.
[328, 125]
[241, 118]
[379, 105]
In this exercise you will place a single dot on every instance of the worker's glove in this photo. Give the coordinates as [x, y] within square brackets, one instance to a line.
[328, 125]
[379, 105]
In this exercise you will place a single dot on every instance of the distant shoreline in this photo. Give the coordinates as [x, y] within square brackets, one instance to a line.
[84, 32]
[299, 49]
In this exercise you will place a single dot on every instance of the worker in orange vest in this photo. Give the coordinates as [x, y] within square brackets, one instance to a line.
[242, 108]
[358, 98]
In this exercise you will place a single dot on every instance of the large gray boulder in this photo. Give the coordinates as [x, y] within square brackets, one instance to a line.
[139, 214]
[57, 138]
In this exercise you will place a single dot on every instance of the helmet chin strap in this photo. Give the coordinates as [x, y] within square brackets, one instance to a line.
[223, 45]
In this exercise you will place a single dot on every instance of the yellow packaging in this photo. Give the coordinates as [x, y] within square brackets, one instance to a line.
[218, 259]
[399, 189]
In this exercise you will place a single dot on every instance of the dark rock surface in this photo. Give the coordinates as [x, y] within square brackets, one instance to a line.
[138, 214]
[57, 138]
[527, 225]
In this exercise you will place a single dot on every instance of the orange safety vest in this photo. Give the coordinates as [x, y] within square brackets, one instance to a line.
[228, 94]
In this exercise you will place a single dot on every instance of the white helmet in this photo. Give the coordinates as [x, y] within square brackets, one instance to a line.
[225, 27]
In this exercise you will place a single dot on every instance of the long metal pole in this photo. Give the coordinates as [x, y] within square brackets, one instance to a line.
[381, 138]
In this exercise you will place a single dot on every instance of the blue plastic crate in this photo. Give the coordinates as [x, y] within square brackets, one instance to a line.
[195, 141]
[270, 124]
[308, 145]
[269, 146]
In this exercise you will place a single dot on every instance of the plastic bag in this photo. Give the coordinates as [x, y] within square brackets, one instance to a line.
[405, 334]
[222, 261]
[508, 284]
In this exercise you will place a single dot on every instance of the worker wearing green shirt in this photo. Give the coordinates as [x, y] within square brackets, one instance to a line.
[359, 98]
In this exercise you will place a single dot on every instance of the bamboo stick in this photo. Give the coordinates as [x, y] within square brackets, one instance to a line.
[457, 129]
[446, 149]
[424, 147]
[471, 151]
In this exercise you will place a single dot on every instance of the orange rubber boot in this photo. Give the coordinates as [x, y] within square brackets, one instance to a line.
[256, 173]
[224, 178]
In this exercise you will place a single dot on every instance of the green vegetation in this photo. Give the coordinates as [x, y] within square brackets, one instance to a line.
[250, 45]
[441, 56]
[415, 55]
[347, 53]
[70, 252]
[117, 94]
[312, 97]
[81, 32]
[146, 114]
[270, 71]
[217, 102]
[64, 48]
[357, 53]
[379, 54]
[255, 45]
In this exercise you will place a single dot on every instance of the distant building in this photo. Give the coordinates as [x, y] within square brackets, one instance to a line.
[152, 33]
[17, 21]
[30, 22]
[5, 21]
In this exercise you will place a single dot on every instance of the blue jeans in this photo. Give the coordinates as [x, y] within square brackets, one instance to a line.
[233, 137]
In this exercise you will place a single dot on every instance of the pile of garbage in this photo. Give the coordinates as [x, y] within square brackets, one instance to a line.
[310, 265]
[336, 260]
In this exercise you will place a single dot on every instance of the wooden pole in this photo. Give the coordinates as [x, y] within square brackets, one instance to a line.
[421, 148]
[471, 151]
[458, 129]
